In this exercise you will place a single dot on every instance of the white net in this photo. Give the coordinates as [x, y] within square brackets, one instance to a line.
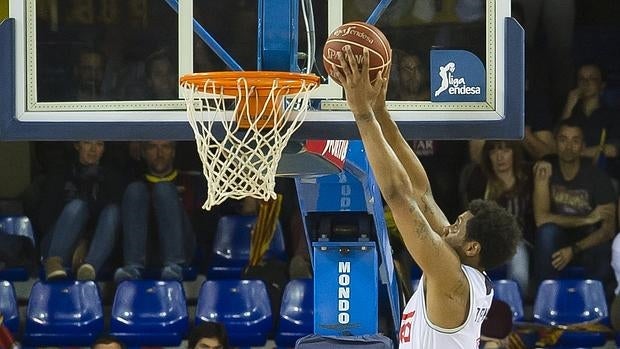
[237, 161]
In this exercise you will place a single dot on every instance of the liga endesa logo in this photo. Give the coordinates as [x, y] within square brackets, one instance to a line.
[457, 76]
[452, 84]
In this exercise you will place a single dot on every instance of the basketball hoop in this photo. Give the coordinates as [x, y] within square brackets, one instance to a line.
[270, 107]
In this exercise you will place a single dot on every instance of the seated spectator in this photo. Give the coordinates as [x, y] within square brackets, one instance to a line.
[598, 122]
[574, 209]
[503, 177]
[80, 201]
[208, 335]
[157, 201]
[108, 342]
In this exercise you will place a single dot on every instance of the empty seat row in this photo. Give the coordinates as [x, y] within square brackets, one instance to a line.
[154, 313]
[562, 302]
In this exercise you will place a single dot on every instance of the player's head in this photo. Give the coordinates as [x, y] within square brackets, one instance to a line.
[569, 141]
[486, 233]
[159, 156]
[89, 152]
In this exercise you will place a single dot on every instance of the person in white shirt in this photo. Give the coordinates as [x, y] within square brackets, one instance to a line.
[454, 294]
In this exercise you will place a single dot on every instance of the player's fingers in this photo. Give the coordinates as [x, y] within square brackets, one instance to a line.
[343, 64]
[365, 63]
[388, 69]
[351, 60]
[335, 74]
[380, 81]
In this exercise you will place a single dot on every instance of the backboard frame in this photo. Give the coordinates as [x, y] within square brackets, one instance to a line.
[23, 118]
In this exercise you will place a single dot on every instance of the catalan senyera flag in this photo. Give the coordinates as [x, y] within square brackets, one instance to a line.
[264, 229]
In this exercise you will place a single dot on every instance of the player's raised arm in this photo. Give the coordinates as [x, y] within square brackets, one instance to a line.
[407, 157]
[424, 244]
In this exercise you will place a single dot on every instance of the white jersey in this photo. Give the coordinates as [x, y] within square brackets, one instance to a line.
[417, 331]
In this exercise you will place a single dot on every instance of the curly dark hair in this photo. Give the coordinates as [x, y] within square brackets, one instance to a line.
[495, 229]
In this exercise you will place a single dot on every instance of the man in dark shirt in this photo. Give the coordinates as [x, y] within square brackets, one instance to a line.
[574, 209]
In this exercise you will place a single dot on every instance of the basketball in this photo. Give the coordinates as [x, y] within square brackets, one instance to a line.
[358, 35]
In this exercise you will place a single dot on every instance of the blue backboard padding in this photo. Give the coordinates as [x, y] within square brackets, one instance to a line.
[345, 288]
[7, 73]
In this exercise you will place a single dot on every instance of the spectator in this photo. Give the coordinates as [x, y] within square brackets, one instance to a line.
[208, 335]
[585, 106]
[89, 74]
[159, 196]
[503, 177]
[410, 80]
[570, 197]
[108, 342]
[161, 77]
[79, 200]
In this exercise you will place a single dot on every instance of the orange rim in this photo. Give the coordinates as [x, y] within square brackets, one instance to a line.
[227, 81]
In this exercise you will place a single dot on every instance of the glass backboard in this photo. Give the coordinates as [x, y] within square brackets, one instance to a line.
[109, 69]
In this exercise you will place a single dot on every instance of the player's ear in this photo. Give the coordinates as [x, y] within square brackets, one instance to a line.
[472, 248]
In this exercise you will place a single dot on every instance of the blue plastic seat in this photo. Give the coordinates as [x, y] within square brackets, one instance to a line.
[63, 313]
[241, 305]
[297, 312]
[508, 292]
[563, 302]
[148, 312]
[19, 226]
[8, 307]
[231, 246]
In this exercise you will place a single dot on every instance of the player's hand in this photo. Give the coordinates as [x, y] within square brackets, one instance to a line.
[360, 93]
[379, 104]
[542, 171]
[562, 257]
